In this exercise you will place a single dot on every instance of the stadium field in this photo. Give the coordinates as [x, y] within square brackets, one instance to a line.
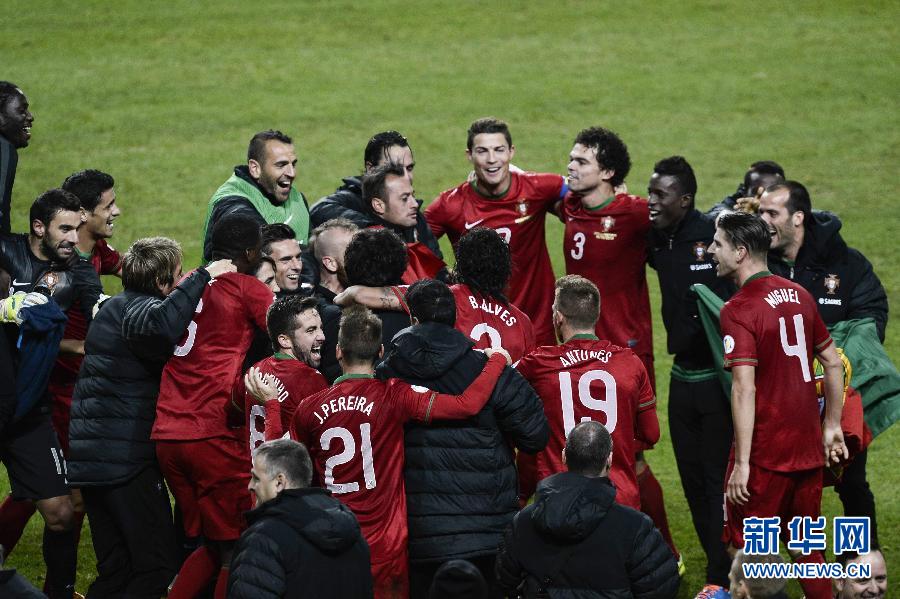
[165, 96]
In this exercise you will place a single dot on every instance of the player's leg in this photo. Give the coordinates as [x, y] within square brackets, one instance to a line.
[58, 545]
[855, 493]
[14, 517]
[806, 500]
[113, 564]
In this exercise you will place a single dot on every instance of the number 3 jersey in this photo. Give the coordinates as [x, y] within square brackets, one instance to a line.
[588, 379]
[773, 325]
[198, 379]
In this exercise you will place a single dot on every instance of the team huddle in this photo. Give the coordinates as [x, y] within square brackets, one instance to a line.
[337, 412]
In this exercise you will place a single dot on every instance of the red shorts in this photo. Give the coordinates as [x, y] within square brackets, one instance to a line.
[784, 494]
[390, 579]
[60, 412]
[209, 479]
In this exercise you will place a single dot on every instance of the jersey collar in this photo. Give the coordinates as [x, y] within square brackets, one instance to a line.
[584, 336]
[345, 377]
[759, 275]
[283, 356]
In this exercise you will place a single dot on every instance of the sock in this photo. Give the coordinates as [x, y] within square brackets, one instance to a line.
[60, 556]
[652, 504]
[14, 516]
[814, 588]
[198, 570]
[221, 584]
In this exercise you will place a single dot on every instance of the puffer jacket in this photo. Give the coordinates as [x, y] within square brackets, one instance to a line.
[576, 541]
[461, 479]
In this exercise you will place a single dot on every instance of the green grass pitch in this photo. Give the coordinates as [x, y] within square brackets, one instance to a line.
[165, 97]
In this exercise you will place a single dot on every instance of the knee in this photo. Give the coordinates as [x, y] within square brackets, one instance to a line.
[59, 516]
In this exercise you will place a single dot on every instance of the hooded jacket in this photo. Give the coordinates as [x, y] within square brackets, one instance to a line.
[302, 543]
[461, 480]
[576, 541]
[840, 278]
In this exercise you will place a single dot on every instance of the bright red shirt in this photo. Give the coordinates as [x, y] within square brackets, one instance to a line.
[588, 379]
[608, 246]
[295, 380]
[773, 325]
[518, 216]
[492, 324]
[197, 381]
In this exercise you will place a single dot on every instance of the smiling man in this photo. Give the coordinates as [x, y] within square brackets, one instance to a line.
[262, 189]
[15, 132]
[514, 204]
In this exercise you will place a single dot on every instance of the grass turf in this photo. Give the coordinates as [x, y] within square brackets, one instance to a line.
[165, 96]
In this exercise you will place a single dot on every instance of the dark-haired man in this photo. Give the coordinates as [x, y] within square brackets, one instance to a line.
[699, 413]
[513, 204]
[759, 177]
[15, 132]
[203, 459]
[461, 481]
[605, 240]
[807, 248]
[262, 190]
[355, 434]
[576, 537]
[771, 331]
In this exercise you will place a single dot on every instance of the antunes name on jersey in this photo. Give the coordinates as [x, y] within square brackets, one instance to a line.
[342, 404]
[495, 309]
[576, 356]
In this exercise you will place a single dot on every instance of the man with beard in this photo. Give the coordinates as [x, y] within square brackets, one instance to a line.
[699, 412]
[328, 242]
[15, 131]
[295, 330]
[262, 190]
[30, 448]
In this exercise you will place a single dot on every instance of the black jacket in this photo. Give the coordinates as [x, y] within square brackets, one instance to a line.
[680, 260]
[840, 278]
[303, 543]
[461, 480]
[347, 202]
[114, 403]
[576, 541]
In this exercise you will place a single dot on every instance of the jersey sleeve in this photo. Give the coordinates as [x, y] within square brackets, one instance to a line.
[550, 187]
[427, 405]
[738, 341]
[276, 420]
[257, 299]
[821, 336]
[647, 425]
[436, 216]
[110, 260]
[525, 366]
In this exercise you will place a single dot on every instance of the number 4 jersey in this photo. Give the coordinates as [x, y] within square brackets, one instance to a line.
[773, 325]
[588, 379]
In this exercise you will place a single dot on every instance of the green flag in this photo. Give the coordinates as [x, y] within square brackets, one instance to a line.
[874, 374]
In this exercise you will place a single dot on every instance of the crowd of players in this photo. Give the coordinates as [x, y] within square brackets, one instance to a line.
[430, 417]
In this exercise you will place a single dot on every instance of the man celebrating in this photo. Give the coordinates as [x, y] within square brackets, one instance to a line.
[589, 379]
[513, 204]
[263, 190]
[283, 552]
[771, 332]
[15, 131]
[606, 240]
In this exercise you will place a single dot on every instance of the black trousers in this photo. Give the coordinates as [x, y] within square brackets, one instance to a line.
[855, 494]
[133, 536]
[701, 429]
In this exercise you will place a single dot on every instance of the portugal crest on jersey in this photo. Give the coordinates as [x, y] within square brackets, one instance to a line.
[608, 222]
[523, 208]
[700, 251]
[50, 280]
[832, 282]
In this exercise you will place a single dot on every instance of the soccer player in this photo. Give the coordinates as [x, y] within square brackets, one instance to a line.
[586, 378]
[262, 190]
[354, 432]
[204, 461]
[771, 332]
[295, 329]
[605, 240]
[513, 204]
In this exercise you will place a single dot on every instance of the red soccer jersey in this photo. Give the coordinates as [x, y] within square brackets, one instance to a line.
[295, 380]
[197, 381]
[519, 218]
[354, 433]
[588, 379]
[491, 324]
[608, 246]
[773, 325]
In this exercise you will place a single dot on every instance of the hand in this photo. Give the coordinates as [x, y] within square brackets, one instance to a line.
[736, 490]
[103, 297]
[835, 449]
[499, 350]
[220, 267]
[261, 386]
[34, 299]
[347, 297]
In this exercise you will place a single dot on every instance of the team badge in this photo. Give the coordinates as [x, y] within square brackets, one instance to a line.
[607, 223]
[832, 282]
[50, 280]
[728, 343]
[700, 251]
[523, 208]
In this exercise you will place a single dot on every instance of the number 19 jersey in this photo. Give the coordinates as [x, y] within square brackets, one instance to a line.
[773, 324]
[588, 379]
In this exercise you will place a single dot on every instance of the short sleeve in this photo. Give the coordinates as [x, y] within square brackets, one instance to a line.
[110, 260]
[738, 342]
[821, 336]
[646, 396]
[436, 216]
[257, 299]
